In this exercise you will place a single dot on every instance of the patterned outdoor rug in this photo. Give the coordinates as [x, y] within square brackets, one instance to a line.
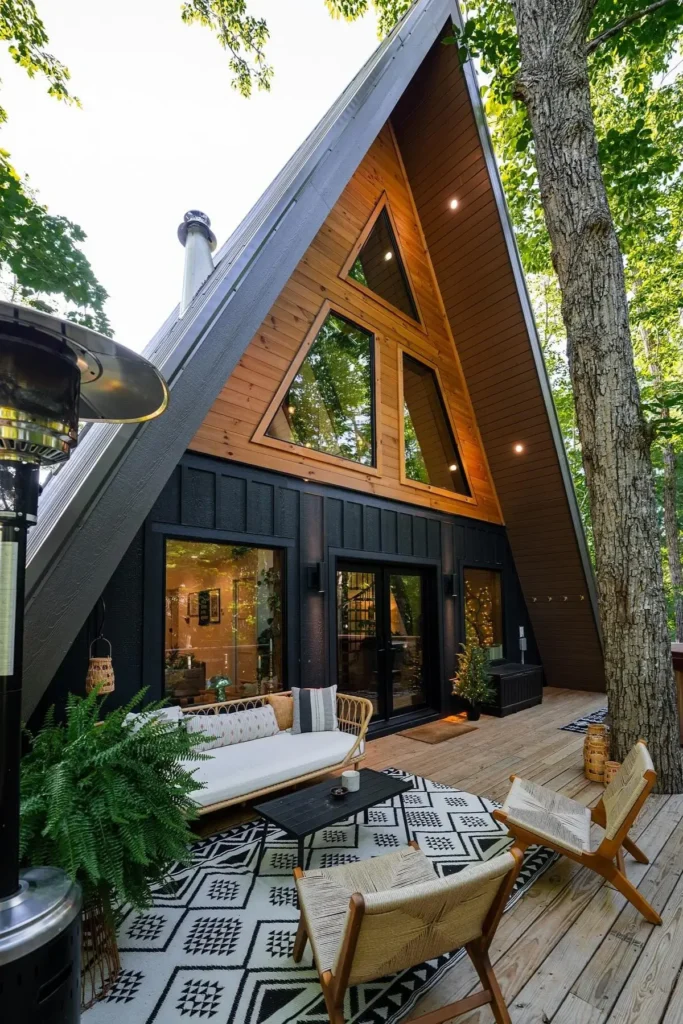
[581, 724]
[217, 945]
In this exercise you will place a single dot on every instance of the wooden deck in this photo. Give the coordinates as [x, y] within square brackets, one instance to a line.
[572, 951]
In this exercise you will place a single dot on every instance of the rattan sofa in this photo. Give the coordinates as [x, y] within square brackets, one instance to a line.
[243, 771]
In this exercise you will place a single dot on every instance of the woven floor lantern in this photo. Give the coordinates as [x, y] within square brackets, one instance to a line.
[595, 752]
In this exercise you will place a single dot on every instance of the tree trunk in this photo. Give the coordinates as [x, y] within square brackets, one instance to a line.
[553, 82]
[673, 543]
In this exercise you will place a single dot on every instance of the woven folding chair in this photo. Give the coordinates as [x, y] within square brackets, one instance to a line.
[534, 814]
[379, 916]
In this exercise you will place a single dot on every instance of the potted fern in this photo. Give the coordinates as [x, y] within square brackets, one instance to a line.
[109, 802]
[472, 681]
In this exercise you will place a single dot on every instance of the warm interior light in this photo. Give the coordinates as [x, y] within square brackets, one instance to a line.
[388, 256]
[519, 448]
[291, 409]
[454, 204]
[453, 468]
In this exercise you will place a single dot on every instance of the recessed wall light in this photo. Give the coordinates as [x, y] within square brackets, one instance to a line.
[454, 204]
[518, 448]
[388, 256]
[453, 468]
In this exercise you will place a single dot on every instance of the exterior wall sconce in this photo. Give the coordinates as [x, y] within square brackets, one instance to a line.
[316, 576]
[450, 585]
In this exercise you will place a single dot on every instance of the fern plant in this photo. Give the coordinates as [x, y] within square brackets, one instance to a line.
[109, 803]
[472, 680]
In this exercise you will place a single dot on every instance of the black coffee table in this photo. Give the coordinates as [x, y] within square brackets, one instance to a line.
[305, 812]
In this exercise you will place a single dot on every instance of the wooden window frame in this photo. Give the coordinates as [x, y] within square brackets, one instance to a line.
[260, 435]
[406, 481]
[345, 272]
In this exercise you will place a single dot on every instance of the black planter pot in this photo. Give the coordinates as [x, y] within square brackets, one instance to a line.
[473, 713]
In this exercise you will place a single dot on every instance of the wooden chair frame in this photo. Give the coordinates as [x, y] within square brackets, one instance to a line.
[608, 859]
[334, 986]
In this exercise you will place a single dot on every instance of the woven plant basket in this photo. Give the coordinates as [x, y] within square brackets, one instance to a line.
[100, 963]
[595, 752]
[611, 769]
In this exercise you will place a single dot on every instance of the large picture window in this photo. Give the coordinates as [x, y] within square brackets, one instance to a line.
[484, 610]
[223, 621]
[431, 453]
[328, 406]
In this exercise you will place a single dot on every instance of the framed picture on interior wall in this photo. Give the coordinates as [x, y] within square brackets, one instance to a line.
[215, 605]
[193, 605]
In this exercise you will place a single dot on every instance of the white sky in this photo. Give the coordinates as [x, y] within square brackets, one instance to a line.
[161, 131]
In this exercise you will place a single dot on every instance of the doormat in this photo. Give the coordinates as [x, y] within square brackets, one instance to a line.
[437, 732]
[581, 724]
[217, 944]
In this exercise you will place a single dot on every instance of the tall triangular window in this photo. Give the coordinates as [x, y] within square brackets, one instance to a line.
[329, 405]
[378, 266]
[431, 451]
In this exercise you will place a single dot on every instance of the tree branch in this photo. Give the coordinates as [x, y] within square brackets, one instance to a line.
[614, 30]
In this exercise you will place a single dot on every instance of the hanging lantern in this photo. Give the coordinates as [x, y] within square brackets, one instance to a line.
[100, 671]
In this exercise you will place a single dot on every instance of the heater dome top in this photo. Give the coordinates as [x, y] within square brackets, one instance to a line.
[117, 385]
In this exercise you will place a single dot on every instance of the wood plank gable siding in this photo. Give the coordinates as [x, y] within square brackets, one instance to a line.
[438, 139]
[229, 427]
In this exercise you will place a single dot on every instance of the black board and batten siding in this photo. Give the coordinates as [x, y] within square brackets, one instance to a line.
[219, 501]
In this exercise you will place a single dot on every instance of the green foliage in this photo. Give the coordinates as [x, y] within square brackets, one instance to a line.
[108, 803]
[243, 36]
[41, 263]
[24, 32]
[473, 680]
[40, 259]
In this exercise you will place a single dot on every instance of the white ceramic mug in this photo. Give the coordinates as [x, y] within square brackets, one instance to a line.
[351, 780]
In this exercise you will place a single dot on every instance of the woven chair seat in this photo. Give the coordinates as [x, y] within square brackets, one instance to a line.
[549, 815]
[324, 894]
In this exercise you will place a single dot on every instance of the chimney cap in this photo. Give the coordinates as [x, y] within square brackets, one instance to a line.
[195, 218]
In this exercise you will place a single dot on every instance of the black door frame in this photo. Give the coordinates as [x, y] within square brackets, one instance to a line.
[432, 615]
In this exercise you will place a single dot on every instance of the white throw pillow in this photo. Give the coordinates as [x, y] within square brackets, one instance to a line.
[238, 727]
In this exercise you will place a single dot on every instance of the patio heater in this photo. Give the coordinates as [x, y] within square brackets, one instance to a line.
[53, 373]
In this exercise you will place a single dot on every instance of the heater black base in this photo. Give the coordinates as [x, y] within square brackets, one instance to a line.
[40, 951]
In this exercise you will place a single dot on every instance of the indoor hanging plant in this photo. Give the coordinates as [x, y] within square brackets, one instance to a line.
[109, 803]
[472, 681]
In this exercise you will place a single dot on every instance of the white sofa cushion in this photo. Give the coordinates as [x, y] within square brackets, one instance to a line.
[173, 714]
[238, 727]
[244, 768]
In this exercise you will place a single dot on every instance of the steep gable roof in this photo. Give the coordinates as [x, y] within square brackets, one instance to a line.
[94, 506]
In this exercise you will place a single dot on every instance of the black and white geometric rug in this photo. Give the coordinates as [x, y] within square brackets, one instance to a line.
[217, 944]
[581, 724]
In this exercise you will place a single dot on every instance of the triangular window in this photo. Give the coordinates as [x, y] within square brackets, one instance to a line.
[379, 267]
[431, 452]
[328, 406]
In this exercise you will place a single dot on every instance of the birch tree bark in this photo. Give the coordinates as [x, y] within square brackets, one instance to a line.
[553, 83]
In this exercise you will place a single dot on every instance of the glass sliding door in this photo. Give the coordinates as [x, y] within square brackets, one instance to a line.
[381, 651]
[408, 677]
[357, 640]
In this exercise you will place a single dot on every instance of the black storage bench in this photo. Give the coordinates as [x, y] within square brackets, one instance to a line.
[517, 687]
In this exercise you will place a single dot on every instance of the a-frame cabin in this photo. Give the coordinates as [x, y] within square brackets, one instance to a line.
[360, 463]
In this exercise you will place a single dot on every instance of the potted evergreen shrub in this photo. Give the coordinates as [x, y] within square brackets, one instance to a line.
[472, 681]
[109, 802]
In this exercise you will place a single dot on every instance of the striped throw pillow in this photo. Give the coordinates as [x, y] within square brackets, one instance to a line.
[315, 710]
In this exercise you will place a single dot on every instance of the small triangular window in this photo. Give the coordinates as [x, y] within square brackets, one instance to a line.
[329, 405]
[379, 267]
[431, 451]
